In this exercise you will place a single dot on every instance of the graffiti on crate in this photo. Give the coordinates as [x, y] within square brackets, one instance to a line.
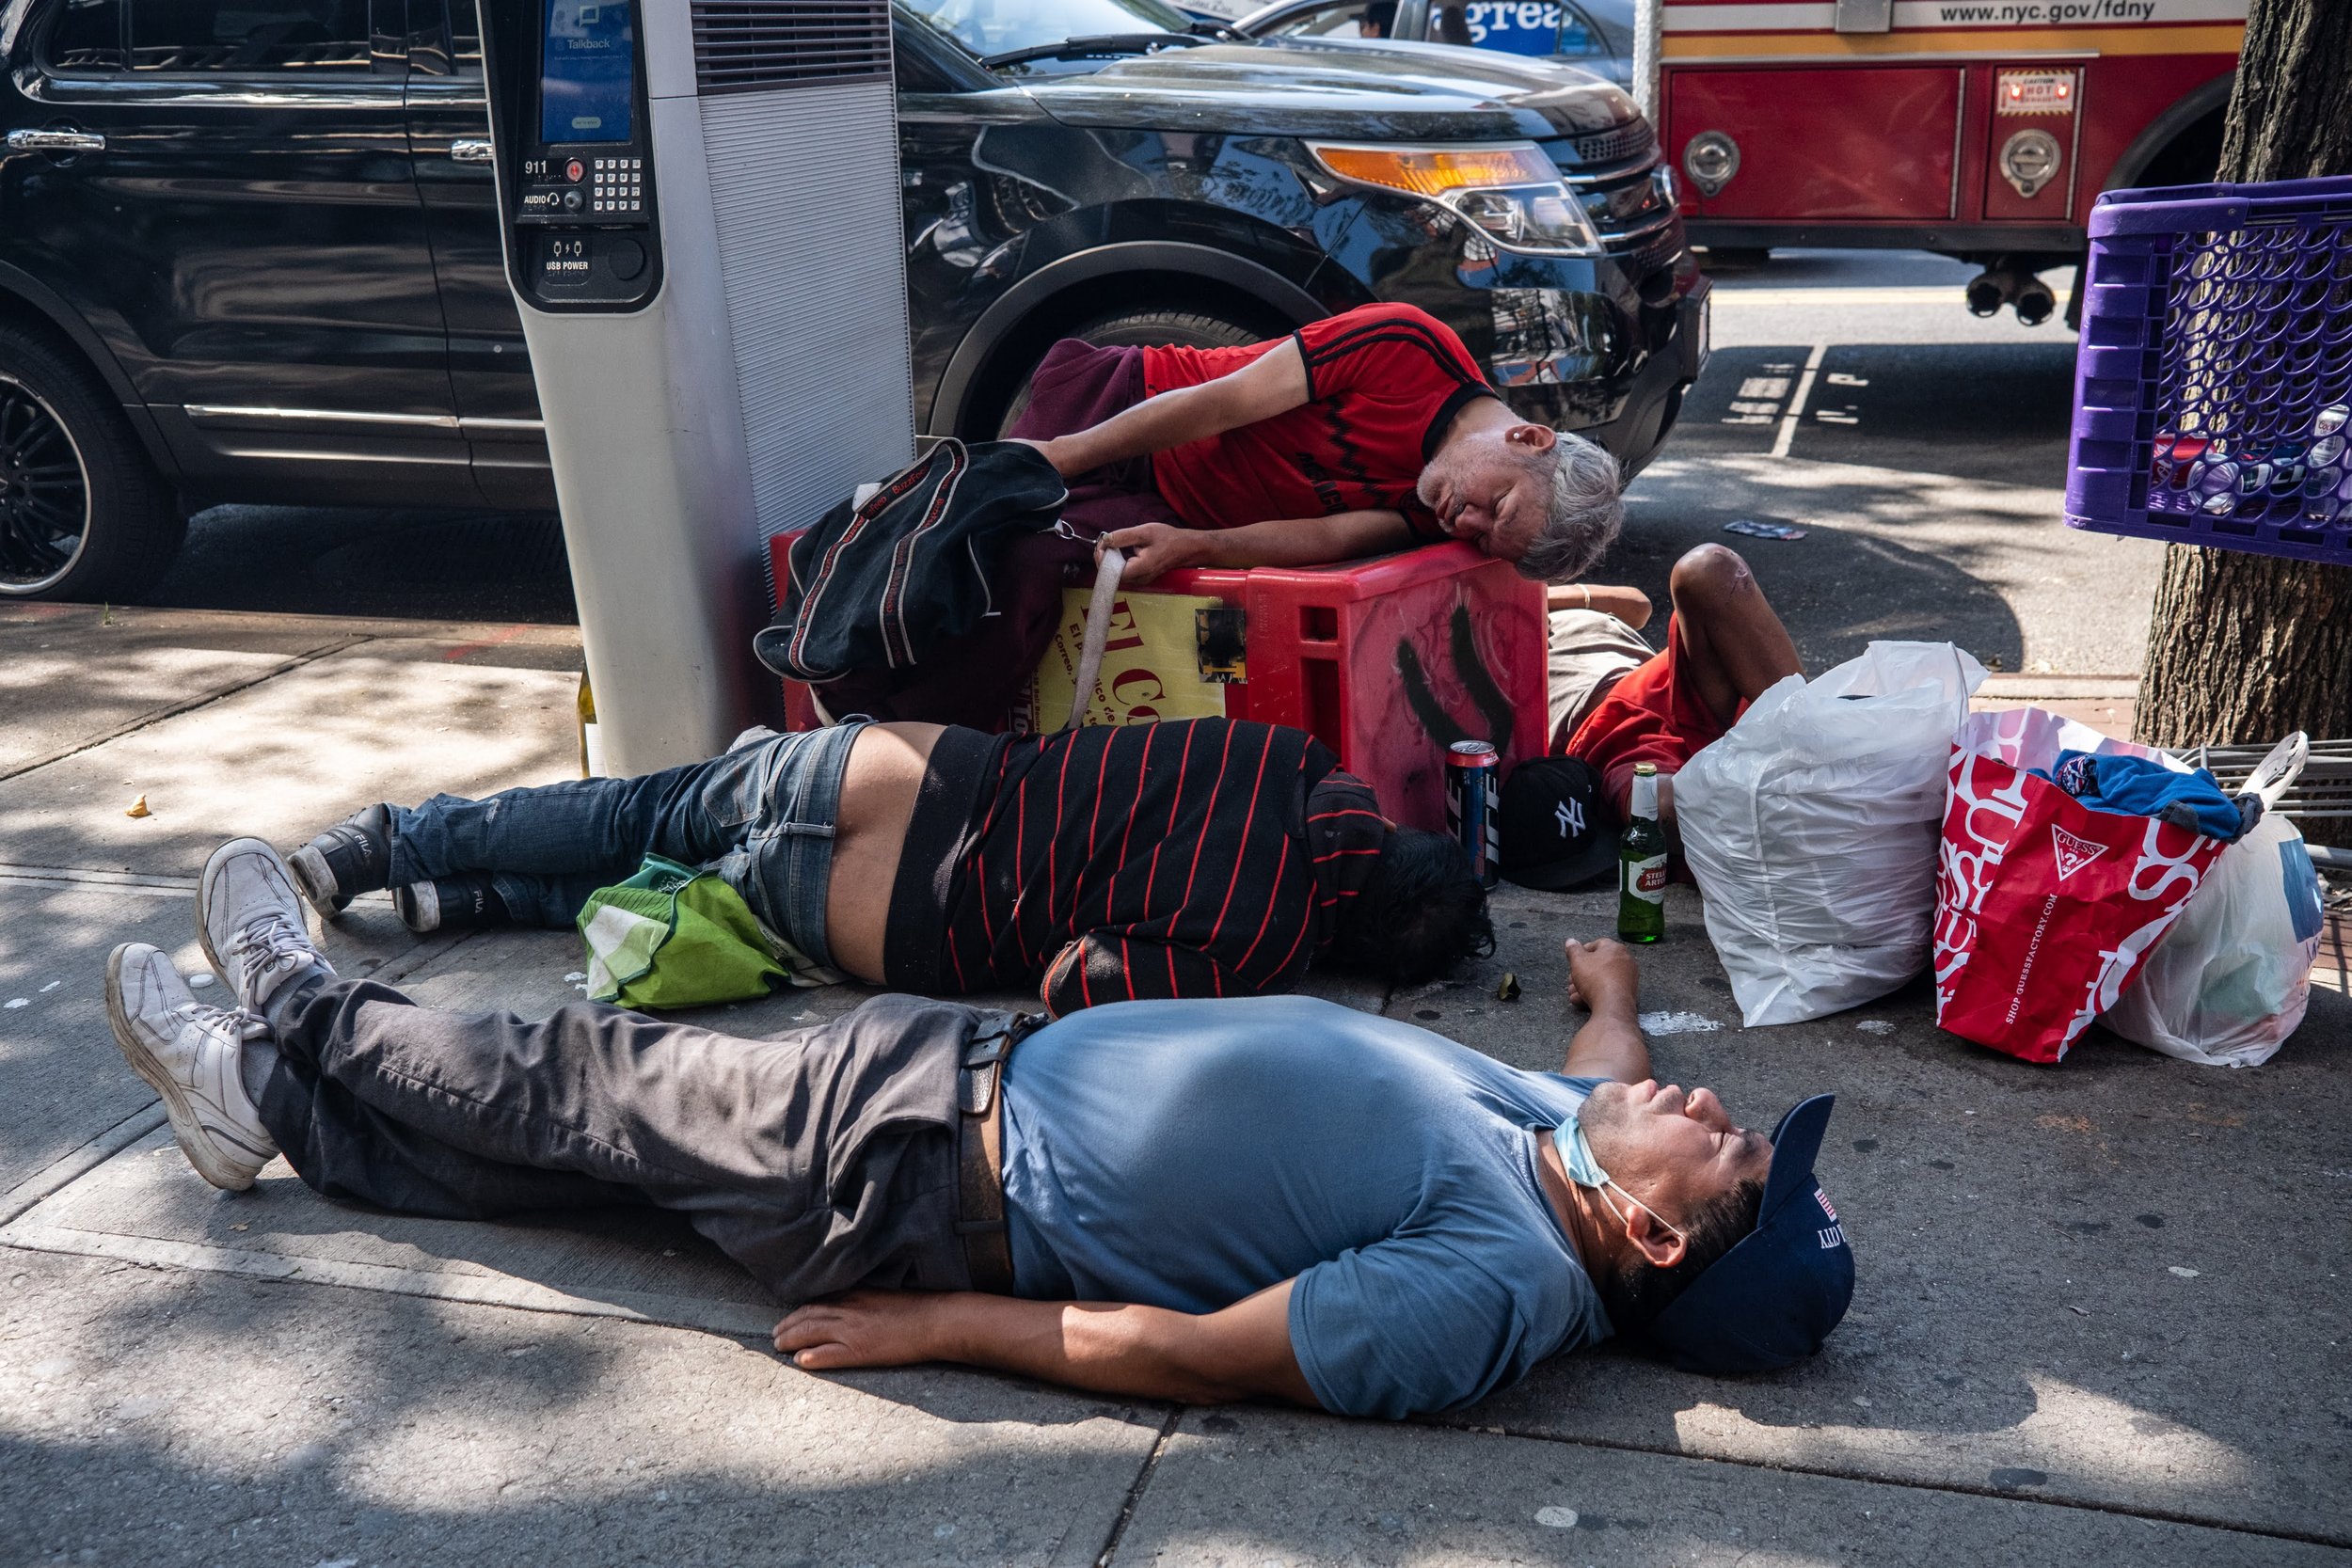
[1470, 668]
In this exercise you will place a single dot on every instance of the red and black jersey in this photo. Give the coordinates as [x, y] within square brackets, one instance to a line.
[1383, 384]
[1205, 857]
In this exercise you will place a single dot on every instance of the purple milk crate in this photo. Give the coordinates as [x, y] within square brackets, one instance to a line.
[2213, 388]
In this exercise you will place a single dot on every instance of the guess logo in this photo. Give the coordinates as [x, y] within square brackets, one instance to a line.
[2072, 854]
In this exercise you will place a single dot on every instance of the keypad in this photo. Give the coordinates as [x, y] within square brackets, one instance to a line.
[619, 186]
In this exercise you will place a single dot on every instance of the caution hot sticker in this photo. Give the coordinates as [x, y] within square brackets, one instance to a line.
[2034, 92]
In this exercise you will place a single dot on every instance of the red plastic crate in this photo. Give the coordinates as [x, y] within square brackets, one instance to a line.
[1384, 661]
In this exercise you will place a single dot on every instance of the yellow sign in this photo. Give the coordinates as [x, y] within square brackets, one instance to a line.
[1150, 663]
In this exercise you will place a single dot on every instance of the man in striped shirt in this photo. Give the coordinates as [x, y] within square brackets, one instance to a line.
[1202, 858]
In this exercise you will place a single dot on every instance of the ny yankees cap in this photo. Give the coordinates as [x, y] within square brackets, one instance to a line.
[1773, 1299]
[1557, 829]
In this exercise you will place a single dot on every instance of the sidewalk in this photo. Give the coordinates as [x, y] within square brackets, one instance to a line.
[2102, 1313]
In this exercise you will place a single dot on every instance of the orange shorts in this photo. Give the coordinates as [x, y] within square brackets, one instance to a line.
[1653, 714]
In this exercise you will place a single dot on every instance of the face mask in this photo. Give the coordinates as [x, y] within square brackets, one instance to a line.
[1583, 1168]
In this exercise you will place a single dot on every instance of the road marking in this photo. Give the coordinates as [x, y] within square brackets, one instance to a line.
[1942, 294]
[1796, 405]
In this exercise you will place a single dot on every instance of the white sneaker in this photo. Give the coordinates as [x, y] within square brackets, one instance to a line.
[249, 917]
[188, 1053]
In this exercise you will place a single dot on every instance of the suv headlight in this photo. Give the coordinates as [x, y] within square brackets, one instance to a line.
[1509, 191]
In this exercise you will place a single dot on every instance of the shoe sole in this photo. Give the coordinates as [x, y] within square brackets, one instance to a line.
[316, 883]
[194, 1141]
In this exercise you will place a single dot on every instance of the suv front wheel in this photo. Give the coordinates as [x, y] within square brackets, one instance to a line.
[1137, 328]
[83, 515]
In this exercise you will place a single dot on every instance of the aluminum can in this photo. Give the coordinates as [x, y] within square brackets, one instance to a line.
[1473, 773]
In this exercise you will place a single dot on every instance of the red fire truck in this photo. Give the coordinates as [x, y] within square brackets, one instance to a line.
[1980, 129]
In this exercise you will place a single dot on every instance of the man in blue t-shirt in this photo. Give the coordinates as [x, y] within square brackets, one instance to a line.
[1214, 1199]
[1196, 1200]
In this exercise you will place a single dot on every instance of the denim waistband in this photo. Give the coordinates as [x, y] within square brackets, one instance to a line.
[785, 860]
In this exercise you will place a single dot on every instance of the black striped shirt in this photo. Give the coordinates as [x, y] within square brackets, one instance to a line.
[1199, 858]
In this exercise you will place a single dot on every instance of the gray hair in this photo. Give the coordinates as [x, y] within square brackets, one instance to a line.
[1586, 511]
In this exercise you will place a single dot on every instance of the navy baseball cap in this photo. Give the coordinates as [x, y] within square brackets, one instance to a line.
[1773, 1299]
[1556, 828]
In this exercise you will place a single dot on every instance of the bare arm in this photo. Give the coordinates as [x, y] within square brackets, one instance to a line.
[1153, 548]
[1274, 382]
[1145, 1351]
[1629, 605]
[1601, 976]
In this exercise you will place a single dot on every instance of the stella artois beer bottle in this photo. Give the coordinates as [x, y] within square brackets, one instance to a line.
[1642, 863]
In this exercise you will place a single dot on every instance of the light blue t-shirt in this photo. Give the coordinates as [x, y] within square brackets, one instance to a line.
[1185, 1154]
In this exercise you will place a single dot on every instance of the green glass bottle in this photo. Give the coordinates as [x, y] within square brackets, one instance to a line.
[1642, 863]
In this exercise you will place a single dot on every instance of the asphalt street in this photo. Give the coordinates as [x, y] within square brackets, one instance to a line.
[1850, 394]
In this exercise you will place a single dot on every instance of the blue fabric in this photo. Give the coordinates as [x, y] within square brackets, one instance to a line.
[761, 817]
[2141, 786]
[1187, 1154]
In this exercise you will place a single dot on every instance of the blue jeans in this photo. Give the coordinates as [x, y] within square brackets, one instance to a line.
[761, 817]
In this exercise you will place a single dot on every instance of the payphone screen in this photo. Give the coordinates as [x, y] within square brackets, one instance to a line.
[587, 85]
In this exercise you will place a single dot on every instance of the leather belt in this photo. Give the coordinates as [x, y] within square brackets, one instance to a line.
[980, 1150]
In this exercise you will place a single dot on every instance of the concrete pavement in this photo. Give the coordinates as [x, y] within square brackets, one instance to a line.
[2100, 1311]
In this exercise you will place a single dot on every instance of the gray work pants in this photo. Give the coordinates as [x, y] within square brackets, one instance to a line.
[821, 1160]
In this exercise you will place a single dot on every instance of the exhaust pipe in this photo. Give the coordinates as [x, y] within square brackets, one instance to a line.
[2034, 300]
[2008, 282]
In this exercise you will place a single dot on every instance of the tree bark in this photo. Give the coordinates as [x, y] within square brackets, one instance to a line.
[2242, 647]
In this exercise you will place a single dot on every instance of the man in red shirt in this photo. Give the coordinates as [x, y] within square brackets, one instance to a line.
[1361, 433]
[1366, 432]
[1371, 430]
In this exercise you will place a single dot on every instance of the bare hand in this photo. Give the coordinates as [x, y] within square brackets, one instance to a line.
[863, 1328]
[1151, 549]
[1601, 972]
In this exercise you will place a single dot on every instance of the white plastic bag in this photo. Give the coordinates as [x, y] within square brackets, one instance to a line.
[1812, 829]
[2229, 981]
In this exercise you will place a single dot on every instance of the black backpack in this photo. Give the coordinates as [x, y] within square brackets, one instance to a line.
[878, 584]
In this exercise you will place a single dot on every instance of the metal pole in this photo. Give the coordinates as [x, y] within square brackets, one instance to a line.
[1649, 25]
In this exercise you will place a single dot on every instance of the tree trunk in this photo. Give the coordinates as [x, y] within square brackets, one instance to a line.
[2246, 647]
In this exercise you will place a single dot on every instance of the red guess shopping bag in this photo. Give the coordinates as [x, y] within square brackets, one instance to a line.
[2044, 908]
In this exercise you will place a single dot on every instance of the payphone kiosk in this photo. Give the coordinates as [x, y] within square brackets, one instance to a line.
[702, 232]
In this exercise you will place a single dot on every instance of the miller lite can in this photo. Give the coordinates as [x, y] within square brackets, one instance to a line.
[1473, 772]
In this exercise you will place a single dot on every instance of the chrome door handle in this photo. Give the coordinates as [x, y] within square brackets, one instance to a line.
[469, 150]
[56, 141]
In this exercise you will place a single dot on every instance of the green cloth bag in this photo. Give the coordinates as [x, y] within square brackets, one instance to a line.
[675, 937]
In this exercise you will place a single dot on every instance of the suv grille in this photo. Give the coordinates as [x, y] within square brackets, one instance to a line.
[1634, 140]
[753, 45]
[1613, 173]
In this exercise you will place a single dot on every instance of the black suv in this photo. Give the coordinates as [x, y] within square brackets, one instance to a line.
[249, 251]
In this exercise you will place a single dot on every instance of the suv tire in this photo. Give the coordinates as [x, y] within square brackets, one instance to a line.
[83, 513]
[1136, 329]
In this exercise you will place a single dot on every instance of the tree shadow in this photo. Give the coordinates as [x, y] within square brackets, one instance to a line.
[245, 1421]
